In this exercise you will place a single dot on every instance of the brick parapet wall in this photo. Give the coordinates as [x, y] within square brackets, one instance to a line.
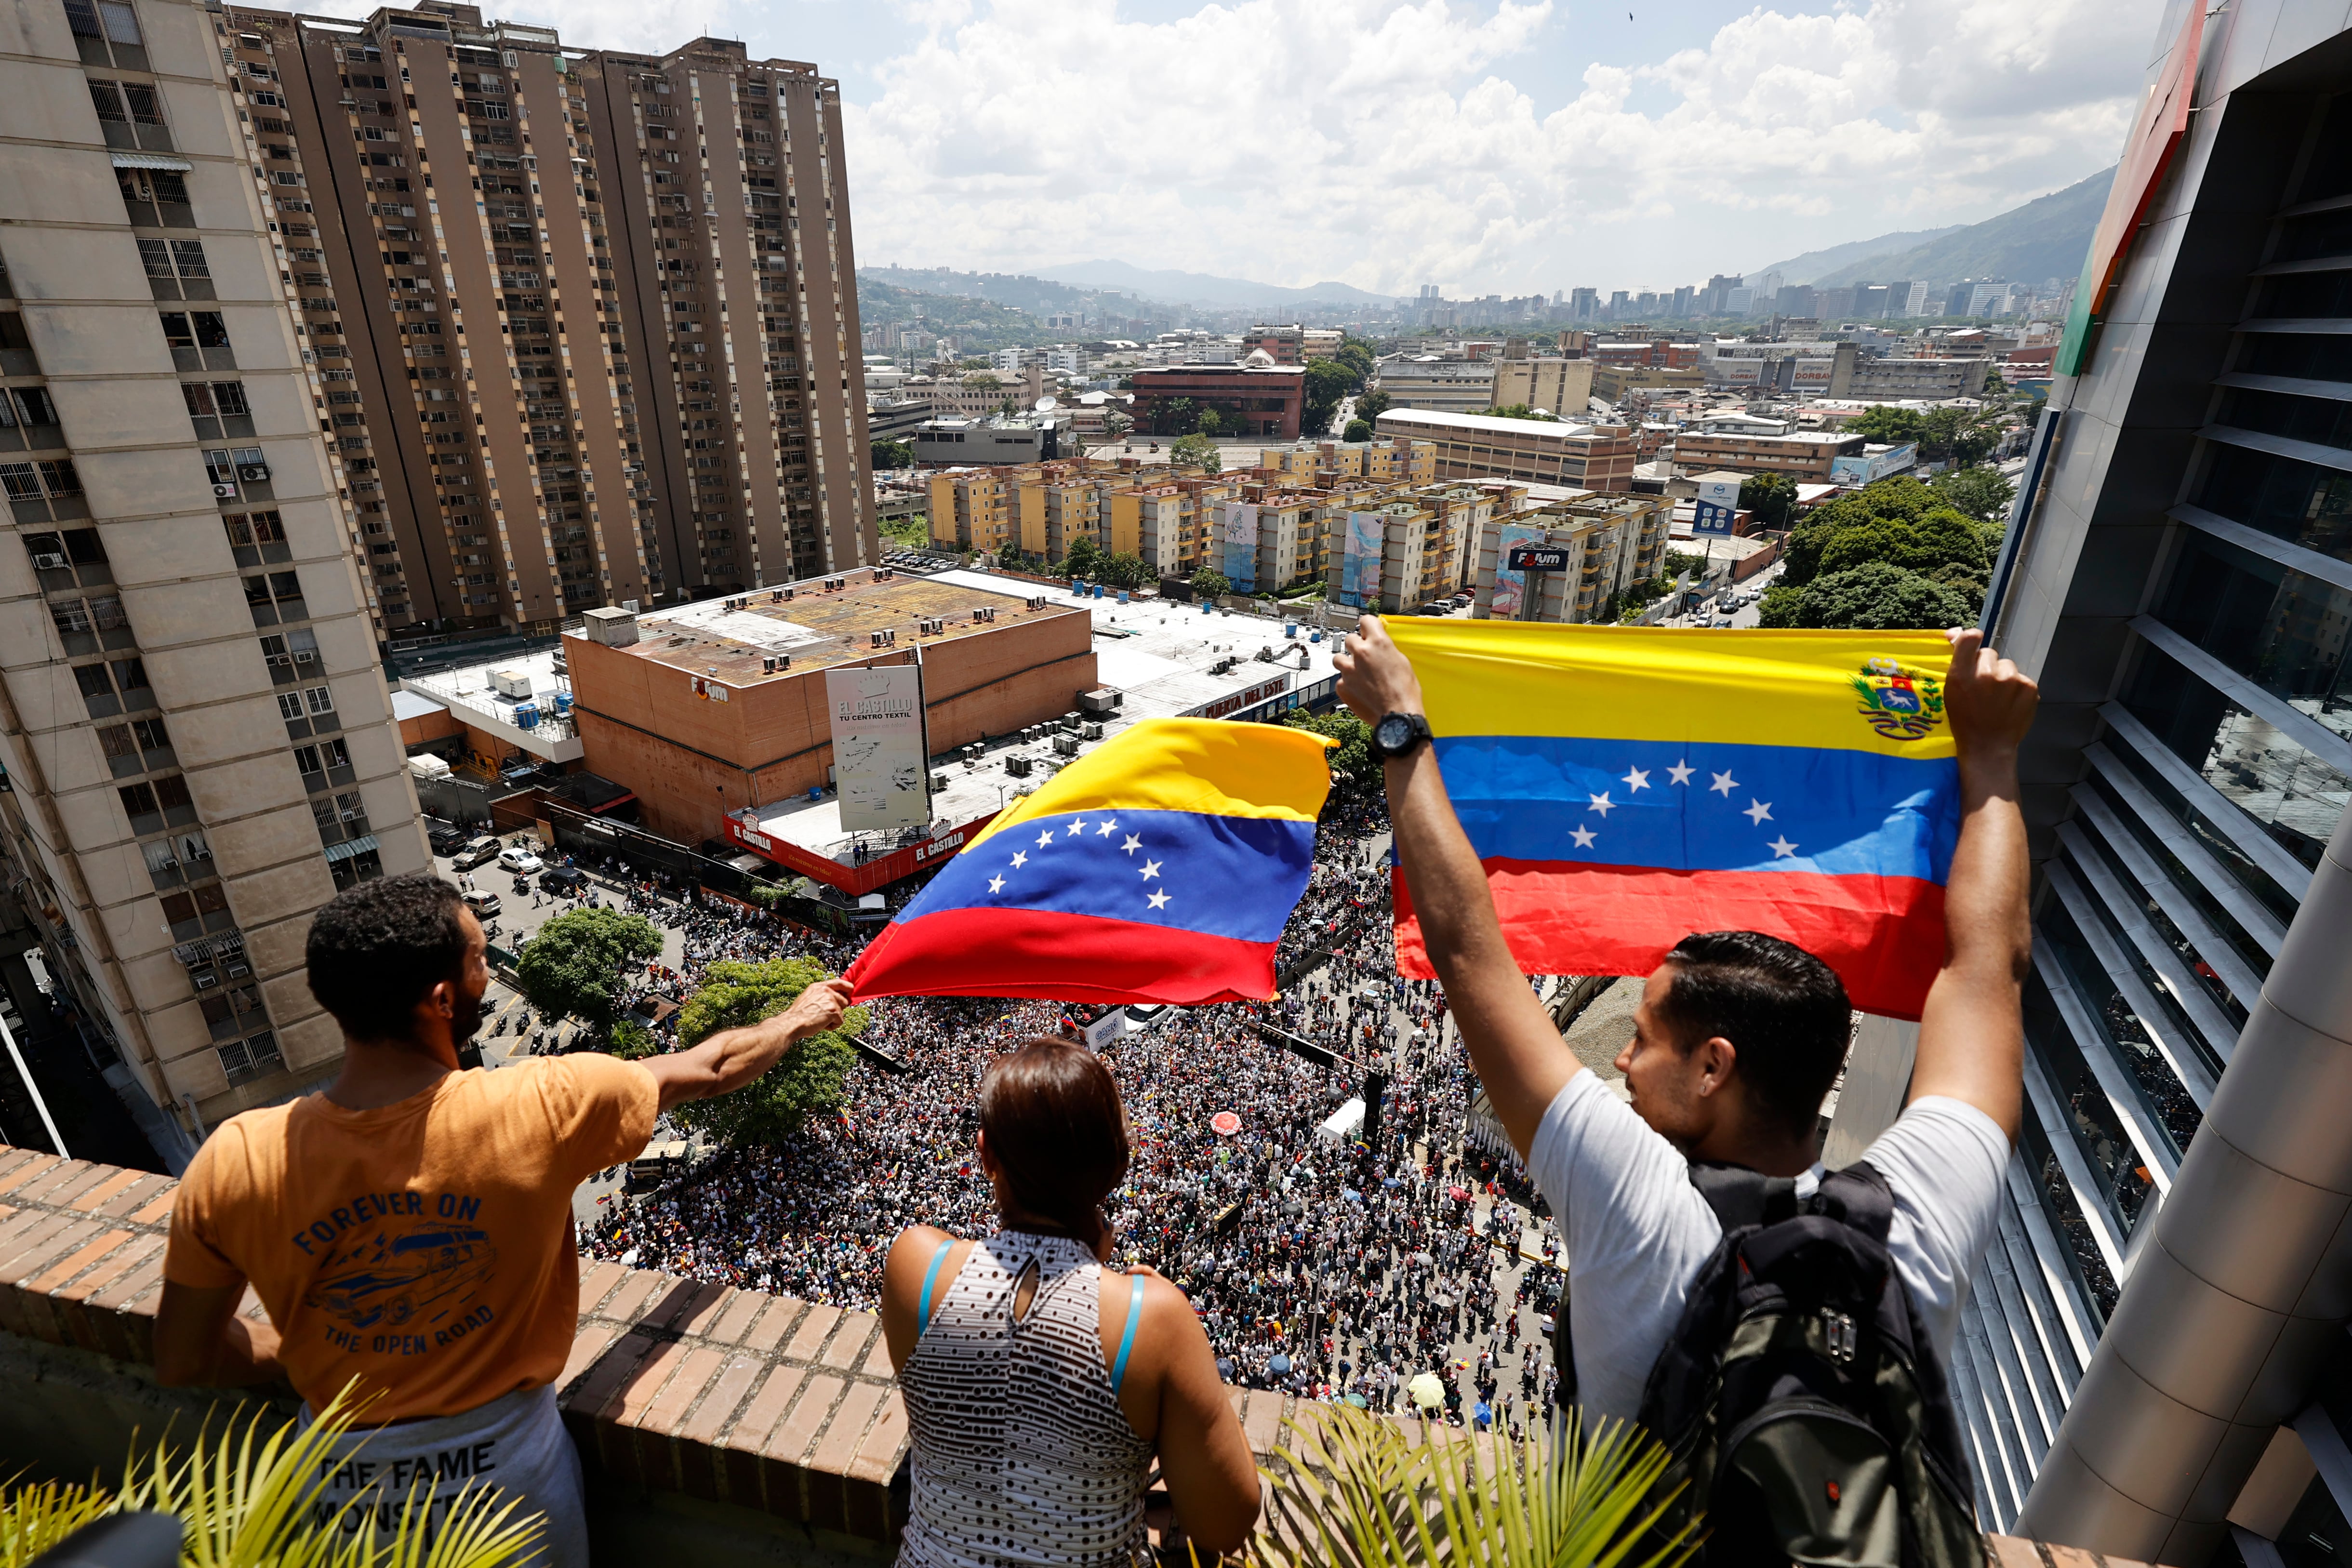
[765, 1402]
[768, 1403]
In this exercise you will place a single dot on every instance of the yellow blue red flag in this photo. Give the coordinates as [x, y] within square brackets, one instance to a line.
[1627, 786]
[1161, 867]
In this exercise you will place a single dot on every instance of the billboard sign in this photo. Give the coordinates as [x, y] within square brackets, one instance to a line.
[1862, 469]
[1238, 529]
[1716, 507]
[880, 757]
[1539, 558]
[1359, 560]
[1511, 600]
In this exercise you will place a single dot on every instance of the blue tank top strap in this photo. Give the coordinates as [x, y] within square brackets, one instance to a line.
[1126, 1338]
[931, 1279]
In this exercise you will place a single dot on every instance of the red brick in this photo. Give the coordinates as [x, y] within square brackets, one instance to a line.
[701, 1363]
[748, 1436]
[1262, 1420]
[847, 1346]
[2008, 1551]
[65, 1192]
[791, 1440]
[628, 1302]
[158, 1210]
[597, 1283]
[58, 1273]
[783, 1312]
[2070, 1557]
[703, 1310]
[610, 1370]
[877, 1456]
[636, 1392]
[877, 1360]
[139, 1194]
[742, 1308]
[22, 1223]
[718, 1401]
[827, 1482]
[586, 1345]
[31, 1169]
[72, 1301]
[865, 1510]
[802, 1345]
[64, 1176]
[53, 1238]
[100, 1193]
[12, 1159]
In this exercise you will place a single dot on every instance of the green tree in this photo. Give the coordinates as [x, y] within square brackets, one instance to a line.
[1327, 381]
[1372, 404]
[1771, 497]
[1197, 451]
[574, 967]
[810, 1076]
[1212, 423]
[1084, 557]
[1780, 604]
[1939, 538]
[1358, 430]
[1122, 571]
[1877, 596]
[1177, 416]
[911, 531]
[1892, 426]
[1979, 492]
[1211, 584]
[1360, 357]
[1904, 497]
[892, 454]
[1352, 763]
[1520, 411]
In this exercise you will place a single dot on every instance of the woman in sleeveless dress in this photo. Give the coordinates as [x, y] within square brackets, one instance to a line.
[1039, 1384]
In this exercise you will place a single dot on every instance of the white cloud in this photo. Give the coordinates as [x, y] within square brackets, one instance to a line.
[1385, 145]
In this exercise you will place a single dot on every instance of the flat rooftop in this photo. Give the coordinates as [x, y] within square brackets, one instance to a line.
[1157, 655]
[466, 691]
[816, 627]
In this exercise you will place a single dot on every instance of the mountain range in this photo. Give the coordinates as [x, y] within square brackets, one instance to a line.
[1204, 288]
[2047, 237]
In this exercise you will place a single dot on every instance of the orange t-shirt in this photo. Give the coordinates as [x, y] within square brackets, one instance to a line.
[426, 1246]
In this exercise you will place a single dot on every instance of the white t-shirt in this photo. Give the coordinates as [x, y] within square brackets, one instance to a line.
[1636, 1231]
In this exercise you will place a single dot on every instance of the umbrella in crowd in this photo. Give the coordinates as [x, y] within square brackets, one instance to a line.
[1427, 1390]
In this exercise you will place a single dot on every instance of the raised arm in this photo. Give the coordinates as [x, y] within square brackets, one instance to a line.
[1520, 1058]
[733, 1058]
[1971, 1031]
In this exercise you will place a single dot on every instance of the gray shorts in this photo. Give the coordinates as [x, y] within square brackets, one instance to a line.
[516, 1444]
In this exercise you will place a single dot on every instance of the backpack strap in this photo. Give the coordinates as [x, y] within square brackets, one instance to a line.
[1742, 1198]
[1861, 1197]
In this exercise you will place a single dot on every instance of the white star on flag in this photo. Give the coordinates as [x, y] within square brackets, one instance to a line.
[1020, 859]
[1679, 773]
[1132, 844]
[996, 884]
[1078, 826]
[1583, 837]
[1636, 778]
[1103, 829]
[1723, 782]
[1159, 900]
[1046, 837]
[1781, 848]
[1151, 869]
[1602, 804]
[1759, 812]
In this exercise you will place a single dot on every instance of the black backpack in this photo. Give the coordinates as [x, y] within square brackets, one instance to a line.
[1805, 1411]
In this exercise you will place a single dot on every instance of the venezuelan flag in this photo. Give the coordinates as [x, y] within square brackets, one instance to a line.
[1159, 869]
[1626, 787]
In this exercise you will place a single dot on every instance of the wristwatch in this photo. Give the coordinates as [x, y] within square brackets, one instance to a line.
[1397, 734]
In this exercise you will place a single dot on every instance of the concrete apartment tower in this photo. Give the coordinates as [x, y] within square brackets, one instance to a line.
[587, 321]
[199, 746]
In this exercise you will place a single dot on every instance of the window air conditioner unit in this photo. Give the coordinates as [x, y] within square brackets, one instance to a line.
[49, 563]
[224, 492]
[204, 979]
[253, 473]
[304, 656]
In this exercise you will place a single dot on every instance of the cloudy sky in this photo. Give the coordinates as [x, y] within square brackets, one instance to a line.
[1483, 146]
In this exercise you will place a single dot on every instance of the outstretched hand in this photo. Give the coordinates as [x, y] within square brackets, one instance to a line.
[1375, 678]
[1990, 700]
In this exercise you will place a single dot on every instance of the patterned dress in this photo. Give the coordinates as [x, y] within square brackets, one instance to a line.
[1021, 1453]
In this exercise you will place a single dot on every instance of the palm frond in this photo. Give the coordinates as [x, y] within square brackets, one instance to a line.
[33, 1518]
[1349, 1488]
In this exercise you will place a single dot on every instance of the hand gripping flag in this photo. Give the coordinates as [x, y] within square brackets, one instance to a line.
[1159, 869]
[1626, 787]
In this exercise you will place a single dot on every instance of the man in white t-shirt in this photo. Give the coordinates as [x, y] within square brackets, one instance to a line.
[1737, 1040]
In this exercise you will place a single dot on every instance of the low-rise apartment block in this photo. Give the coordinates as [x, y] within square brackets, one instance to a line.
[1445, 386]
[1613, 543]
[1469, 447]
[1801, 457]
[1885, 379]
[1561, 387]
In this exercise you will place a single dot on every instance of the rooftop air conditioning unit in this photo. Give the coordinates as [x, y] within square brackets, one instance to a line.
[984, 613]
[1070, 722]
[767, 667]
[780, 595]
[49, 563]
[1036, 601]
[939, 781]
[885, 639]
[1091, 731]
[1018, 766]
[933, 628]
[1066, 745]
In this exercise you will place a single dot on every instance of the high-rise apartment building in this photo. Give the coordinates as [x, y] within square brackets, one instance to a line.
[198, 747]
[584, 320]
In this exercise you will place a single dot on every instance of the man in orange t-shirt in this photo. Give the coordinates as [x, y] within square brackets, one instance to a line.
[410, 1227]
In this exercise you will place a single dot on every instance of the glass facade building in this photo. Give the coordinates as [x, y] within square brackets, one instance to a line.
[2181, 581]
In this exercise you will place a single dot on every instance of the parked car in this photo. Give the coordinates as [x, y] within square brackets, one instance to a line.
[446, 838]
[515, 857]
[475, 852]
[566, 880]
[482, 901]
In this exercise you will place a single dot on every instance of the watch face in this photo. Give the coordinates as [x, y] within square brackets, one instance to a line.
[1394, 732]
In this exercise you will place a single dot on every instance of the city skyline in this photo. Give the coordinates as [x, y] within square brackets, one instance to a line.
[1501, 148]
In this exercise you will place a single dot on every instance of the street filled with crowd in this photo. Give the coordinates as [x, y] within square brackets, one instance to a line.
[1337, 1243]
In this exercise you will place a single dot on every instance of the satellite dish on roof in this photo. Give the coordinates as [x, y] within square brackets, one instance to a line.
[1046, 405]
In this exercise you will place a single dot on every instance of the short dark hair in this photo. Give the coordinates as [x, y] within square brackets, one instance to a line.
[1782, 1008]
[379, 946]
[1054, 1127]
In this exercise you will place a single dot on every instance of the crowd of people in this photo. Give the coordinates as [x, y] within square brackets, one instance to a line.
[1333, 1259]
